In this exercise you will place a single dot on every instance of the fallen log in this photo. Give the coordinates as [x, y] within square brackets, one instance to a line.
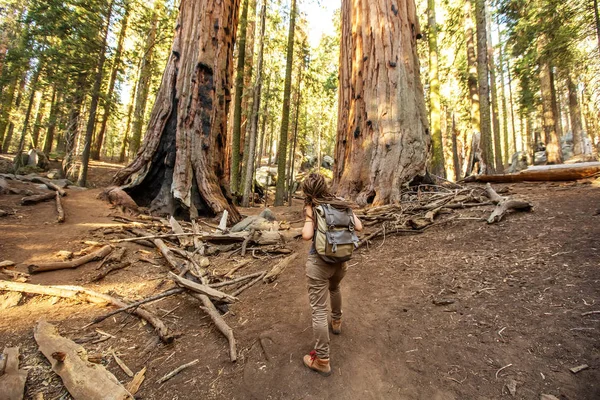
[84, 380]
[12, 379]
[84, 294]
[59, 209]
[543, 173]
[279, 268]
[37, 198]
[202, 289]
[504, 204]
[52, 266]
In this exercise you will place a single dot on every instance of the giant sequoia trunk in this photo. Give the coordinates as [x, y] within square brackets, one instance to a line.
[180, 166]
[383, 136]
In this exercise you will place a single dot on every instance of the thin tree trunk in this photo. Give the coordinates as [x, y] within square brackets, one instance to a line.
[37, 124]
[512, 109]
[52, 120]
[7, 104]
[597, 18]
[507, 151]
[455, 159]
[234, 174]
[108, 101]
[495, 117]
[437, 156]
[264, 122]
[128, 126]
[486, 144]
[473, 88]
[575, 114]
[255, 109]
[91, 123]
[179, 168]
[285, 116]
[34, 82]
[383, 134]
[71, 133]
[295, 140]
[553, 150]
[11, 125]
[141, 97]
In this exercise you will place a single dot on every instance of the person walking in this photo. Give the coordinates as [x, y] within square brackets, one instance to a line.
[323, 277]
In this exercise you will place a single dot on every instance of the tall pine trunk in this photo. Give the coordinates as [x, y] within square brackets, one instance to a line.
[255, 110]
[495, 116]
[473, 88]
[76, 100]
[52, 120]
[108, 101]
[179, 169]
[437, 153]
[91, 123]
[285, 116]
[34, 82]
[507, 150]
[575, 115]
[141, 96]
[37, 124]
[383, 134]
[487, 151]
[553, 150]
[264, 122]
[234, 174]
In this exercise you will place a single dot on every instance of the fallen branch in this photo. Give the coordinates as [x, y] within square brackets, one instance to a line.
[202, 289]
[242, 264]
[102, 274]
[37, 198]
[12, 379]
[122, 365]
[589, 313]
[236, 280]
[134, 386]
[176, 371]
[279, 268]
[83, 294]
[238, 291]
[504, 204]
[52, 266]
[59, 209]
[83, 380]
[168, 293]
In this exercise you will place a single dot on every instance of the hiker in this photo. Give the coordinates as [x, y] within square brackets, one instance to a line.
[325, 272]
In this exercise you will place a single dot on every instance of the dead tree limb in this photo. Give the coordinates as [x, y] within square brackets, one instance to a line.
[249, 284]
[37, 198]
[237, 280]
[176, 371]
[102, 274]
[84, 294]
[52, 266]
[279, 268]
[202, 289]
[504, 204]
[12, 379]
[83, 380]
[59, 209]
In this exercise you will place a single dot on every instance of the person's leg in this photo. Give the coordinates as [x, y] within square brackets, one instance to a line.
[335, 295]
[318, 274]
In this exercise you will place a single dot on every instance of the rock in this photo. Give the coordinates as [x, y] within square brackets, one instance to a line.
[443, 302]
[37, 158]
[10, 299]
[511, 385]
[7, 263]
[53, 174]
[118, 197]
[62, 183]
[267, 214]
[548, 397]
[4, 186]
[579, 368]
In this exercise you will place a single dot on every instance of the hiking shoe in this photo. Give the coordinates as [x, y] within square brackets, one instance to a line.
[336, 326]
[320, 365]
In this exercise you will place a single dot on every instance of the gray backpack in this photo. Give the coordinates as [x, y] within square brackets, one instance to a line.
[334, 237]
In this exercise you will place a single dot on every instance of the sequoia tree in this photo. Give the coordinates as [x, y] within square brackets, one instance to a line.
[180, 167]
[383, 134]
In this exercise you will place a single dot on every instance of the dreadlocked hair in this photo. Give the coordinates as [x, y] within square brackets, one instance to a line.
[316, 192]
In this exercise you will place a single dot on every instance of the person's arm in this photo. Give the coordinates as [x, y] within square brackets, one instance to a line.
[357, 223]
[308, 230]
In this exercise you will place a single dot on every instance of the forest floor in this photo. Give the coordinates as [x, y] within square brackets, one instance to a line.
[518, 290]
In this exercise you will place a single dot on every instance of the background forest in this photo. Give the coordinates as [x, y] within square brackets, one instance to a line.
[80, 71]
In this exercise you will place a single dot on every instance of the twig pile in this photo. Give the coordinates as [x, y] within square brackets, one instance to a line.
[424, 206]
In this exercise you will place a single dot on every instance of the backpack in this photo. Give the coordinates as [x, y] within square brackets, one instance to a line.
[334, 236]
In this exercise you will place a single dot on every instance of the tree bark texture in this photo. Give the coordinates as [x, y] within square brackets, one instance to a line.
[383, 133]
[285, 116]
[575, 115]
[234, 174]
[437, 152]
[180, 166]
[486, 144]
[553, 150]
[472, 84]
[255, 109]
[76, 101]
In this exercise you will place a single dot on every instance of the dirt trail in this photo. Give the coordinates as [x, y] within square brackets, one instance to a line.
[518, 290]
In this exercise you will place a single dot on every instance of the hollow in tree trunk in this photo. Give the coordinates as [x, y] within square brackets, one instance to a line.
[383, 135]
[179, 169]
